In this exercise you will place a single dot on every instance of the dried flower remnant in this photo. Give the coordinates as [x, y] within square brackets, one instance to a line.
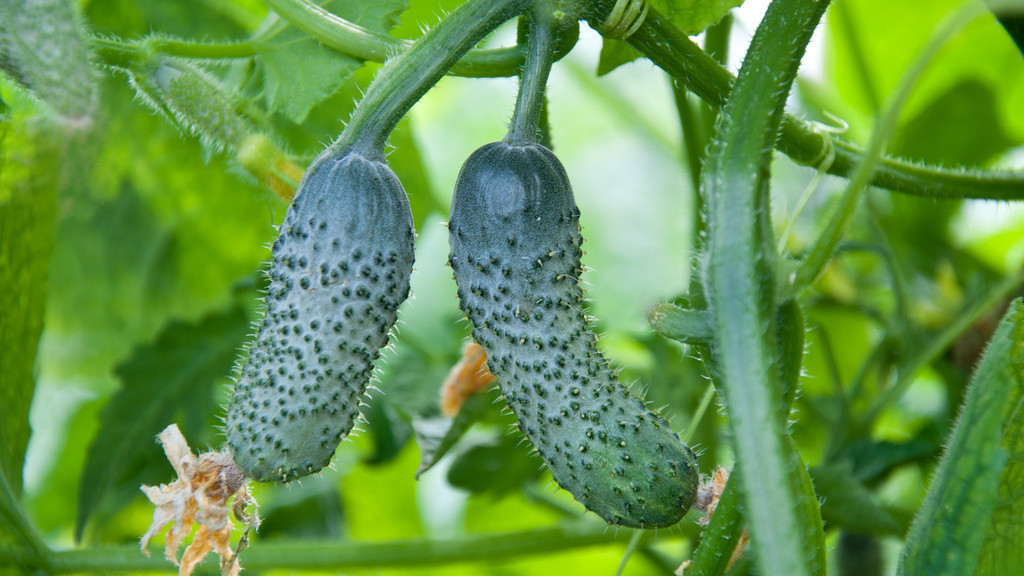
[708, 494]
[201, 493]
[468, 377]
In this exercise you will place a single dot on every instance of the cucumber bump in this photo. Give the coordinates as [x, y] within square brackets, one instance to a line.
[340, 269]
[515, 250]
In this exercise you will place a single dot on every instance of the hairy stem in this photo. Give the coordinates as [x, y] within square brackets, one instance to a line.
[534, 79]
[405, 79]
[335, 556]
[364, 44]
[739, 286]
[674, 52]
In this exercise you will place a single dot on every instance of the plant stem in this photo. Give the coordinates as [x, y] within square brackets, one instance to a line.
[698, 416]
[637, 534]
[720, 537]
[405, 79]
[14, 519]
[365, 44]
[694, 141]
[122, 53]
[335, 556]
[534, 79]
[740, 288]
[675, 53]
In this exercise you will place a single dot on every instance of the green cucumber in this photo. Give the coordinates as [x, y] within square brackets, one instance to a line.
[340, 269]
[515, 250]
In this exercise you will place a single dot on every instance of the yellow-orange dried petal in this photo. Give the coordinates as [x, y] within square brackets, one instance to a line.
[469, 376]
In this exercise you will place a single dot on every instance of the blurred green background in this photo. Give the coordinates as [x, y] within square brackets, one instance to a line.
[158, 242]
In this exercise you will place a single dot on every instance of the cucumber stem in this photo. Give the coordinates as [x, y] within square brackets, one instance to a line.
[530, 99]
[406, 78]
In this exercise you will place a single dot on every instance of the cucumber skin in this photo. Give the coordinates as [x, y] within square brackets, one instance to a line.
[339, 271]
[515, 250]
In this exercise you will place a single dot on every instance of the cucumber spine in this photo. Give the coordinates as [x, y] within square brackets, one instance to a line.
[339, 271]
[515, 251]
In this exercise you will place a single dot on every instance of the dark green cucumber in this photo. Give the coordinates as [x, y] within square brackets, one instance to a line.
[515, 249]
[340, 269]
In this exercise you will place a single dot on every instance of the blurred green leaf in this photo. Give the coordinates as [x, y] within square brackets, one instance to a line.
[873, 459]
[848, 504]
[130, 18]
[968, 110]
[436, 436]
[310, 509]
[176, 372]
[300, 72]
[859, 555]
[29, 170]
[948, 535]
[411, 170]
[890, 34]
[497, 466]
[148, 233]
[388, 430]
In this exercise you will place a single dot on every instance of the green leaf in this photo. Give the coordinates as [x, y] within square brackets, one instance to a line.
[178, 371]
[968, 111]
[693, 16]
[809, 515]
[310, 509]
[871, 460]
[289, 62]
[498, 466]
[721, 536]
[150, 233]
[300, 73]
[408, 163]
[615, 53]
[388, 430]
[848, 504]
[886, 36]
[29, 169]
[436, 436]
[1002, 552]
[950, 530]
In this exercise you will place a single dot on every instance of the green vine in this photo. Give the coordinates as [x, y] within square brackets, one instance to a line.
[354, 40]
[739, 280]
[533, 81]
[334, 555]
[404, 80]
[675, 53]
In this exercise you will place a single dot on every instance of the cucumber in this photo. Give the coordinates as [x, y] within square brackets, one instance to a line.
[340, 269]
[515, 250]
